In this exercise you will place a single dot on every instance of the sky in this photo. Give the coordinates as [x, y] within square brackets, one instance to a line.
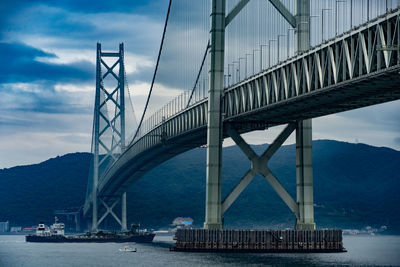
[47, 78]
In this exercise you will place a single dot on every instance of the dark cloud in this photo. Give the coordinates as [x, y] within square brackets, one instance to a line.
[89, 6]
[148, 7]
[95, 6]
[18, 63]
[41, 98]
[49, 20]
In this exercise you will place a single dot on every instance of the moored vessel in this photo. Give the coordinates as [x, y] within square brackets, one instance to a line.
[55, 234]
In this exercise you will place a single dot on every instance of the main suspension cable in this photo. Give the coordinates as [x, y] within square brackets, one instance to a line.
[155, 71]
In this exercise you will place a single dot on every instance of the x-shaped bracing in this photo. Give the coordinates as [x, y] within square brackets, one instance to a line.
[259, 165]
[110, 70]
[109, 210]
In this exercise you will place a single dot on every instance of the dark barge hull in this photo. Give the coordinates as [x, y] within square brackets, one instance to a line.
[148, 238]
[259, 241]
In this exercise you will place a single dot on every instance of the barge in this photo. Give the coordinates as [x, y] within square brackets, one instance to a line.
[55, 234]
[250, 241]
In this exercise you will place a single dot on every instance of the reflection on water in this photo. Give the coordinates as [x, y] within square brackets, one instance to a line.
[362, 250]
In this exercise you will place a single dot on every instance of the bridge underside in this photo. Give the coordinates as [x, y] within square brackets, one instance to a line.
[368, 90]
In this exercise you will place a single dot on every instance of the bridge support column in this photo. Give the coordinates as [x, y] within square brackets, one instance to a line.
[304, 169]
[123, 213]
[304, 176]
[213, 218]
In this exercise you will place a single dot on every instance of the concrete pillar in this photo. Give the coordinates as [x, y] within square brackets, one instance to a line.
[304, 169]
[213, 218]
[123, 212]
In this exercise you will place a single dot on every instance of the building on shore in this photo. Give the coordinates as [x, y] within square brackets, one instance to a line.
[4, 227]
[15, 229]
[183, 222]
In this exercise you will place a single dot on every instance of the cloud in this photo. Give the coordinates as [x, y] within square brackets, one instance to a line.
[18, 63]
[10, 9]
[52, 26]
[30, 137]
[44, 97]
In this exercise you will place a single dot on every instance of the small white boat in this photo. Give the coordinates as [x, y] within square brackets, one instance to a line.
[127, 249]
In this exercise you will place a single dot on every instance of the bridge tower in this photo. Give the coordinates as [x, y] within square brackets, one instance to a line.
[108, 132]
[304, 168]
[213, 218]
[303, 207]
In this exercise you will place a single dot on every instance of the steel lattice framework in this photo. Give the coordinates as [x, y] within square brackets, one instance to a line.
[108, 132]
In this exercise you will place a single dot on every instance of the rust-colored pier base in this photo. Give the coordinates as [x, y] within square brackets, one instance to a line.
[250, 241]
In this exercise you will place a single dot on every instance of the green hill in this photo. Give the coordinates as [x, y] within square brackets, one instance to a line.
[355, 185]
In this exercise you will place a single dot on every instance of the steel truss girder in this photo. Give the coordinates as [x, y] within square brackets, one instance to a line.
[353, 55]
[259, 165]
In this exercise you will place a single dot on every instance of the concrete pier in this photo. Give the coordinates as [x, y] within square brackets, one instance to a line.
[246, 241]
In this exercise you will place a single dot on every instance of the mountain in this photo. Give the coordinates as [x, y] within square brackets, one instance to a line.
[355, 185]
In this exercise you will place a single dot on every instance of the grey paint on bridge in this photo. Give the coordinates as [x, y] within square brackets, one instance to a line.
[349, 72]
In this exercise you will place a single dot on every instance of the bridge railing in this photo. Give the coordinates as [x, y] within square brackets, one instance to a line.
[361, 51]
[366, 50]
[172, 108]
[179, 103]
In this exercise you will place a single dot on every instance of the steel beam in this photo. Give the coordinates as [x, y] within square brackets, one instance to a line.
[284, 12]
[303, 25]
[213, 218]
[122, 95]
[123, 213]
[109, 210]
[304, 175]
[304, 169]
[281, 191]
[259, 165]
[238, 189]
[96, 131]
[232, 14]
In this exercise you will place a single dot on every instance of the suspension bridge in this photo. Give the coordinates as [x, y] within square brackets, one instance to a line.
[241, 66]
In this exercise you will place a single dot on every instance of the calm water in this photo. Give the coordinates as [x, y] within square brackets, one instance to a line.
[362, 250]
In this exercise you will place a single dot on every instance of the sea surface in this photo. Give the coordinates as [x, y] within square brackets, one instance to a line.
[362, 251]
